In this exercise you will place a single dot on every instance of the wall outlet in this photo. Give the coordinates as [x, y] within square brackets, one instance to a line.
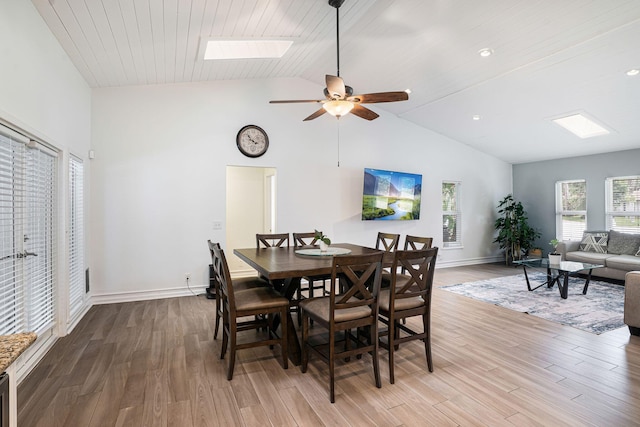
[187, 276]
[217, 225]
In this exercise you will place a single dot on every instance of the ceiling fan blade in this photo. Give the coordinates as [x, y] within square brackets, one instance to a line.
[371, 98]
[315, 115]
[290, 101]
[335, 86]
[364, 112]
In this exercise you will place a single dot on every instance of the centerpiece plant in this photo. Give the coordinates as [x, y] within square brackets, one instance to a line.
[515, 235]
[323, 239]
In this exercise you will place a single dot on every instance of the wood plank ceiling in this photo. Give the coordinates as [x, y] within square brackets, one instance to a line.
[551, 57]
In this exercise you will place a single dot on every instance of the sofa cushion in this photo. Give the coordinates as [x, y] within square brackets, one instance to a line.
[623, 243]
[624, 262]
[590, 257]
[594, 241]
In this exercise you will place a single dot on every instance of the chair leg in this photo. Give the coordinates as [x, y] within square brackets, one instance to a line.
[390, 341]
[283, 337]
[332, 372]
[376, 363]
[427, 340]
[232, 352]
[305, 337]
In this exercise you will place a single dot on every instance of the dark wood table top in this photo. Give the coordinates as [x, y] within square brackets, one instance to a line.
[284, 263]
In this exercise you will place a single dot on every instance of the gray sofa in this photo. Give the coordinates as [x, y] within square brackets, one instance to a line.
[618, 252]
[632, 302]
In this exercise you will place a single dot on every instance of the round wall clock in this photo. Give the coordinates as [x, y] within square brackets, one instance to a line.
[252, 141]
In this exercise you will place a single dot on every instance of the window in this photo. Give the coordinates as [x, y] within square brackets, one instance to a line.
[451, 215]
[623, 203]
[77, 292]
[571, 209]
[27, 234]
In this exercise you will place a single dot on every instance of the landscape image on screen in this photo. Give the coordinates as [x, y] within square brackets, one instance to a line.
[390, 195]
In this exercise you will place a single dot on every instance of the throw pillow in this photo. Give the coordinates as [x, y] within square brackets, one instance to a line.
[623, 243]
[594, 241]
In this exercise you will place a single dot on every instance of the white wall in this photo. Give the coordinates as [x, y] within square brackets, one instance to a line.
[158, 179]
[40, 90]
[44, 97]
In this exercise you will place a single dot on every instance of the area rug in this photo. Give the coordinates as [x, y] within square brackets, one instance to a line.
[599, 311]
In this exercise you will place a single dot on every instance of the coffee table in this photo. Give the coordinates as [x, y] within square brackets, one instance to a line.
[555, 272]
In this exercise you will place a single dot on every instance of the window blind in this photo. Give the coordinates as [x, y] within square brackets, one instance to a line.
[451, 215]
[623, 203]
[27, 231]
[76, 237]
[12, 310]
[39, 238]
[571, 209]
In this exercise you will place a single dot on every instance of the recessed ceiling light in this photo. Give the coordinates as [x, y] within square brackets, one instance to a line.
[581, 126]
[485, 52]
[246, 49]
[633, 72]
[476, 117]
[408, 91]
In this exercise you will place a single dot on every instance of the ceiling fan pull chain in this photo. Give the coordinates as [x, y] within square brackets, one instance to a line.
[338, 124]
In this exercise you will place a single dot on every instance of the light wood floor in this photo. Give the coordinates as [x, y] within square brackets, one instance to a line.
[155, 363]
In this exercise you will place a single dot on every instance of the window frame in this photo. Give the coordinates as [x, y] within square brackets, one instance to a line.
[560, 212]
[457, 213]
[610, 213]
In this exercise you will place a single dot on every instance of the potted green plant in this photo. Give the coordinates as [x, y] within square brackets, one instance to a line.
[515, 235]
[554, 257]
[323, 240]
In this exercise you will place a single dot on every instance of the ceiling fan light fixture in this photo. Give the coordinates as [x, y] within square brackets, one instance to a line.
[338, 107]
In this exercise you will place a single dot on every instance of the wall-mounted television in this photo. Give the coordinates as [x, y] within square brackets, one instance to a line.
[390, 195]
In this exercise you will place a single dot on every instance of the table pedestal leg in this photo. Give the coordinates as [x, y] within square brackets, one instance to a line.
[564, 288]
[295, 354]
[586, 285]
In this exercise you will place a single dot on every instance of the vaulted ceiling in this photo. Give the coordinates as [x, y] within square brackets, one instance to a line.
[550, 58]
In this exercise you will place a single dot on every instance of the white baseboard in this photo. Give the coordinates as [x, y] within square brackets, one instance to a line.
[468, 261]
[116, 297]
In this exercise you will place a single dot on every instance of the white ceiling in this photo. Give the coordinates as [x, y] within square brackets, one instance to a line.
[551, 57]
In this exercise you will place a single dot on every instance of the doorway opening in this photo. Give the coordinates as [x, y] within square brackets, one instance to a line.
[250, 209]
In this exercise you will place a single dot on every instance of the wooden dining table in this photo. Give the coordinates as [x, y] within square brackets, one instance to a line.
[285, 268]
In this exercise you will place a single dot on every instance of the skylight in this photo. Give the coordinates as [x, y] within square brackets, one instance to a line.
[246, 49]
[581, 126]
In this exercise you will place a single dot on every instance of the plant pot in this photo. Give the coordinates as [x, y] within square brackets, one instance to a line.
[554, 259]
[535, 253]
[323, 246]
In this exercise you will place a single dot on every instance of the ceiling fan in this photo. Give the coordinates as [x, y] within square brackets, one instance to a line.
[340, 99]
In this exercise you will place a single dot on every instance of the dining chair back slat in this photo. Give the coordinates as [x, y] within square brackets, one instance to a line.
[305, 239]
[272, 240]
[387, 242]
[414, 243]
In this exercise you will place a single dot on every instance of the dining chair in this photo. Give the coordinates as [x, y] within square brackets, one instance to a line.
[239, 284]
[238, 305]
[387, 242]
[309, 239]
[340, 313]
[272, 240]
[409, 295]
